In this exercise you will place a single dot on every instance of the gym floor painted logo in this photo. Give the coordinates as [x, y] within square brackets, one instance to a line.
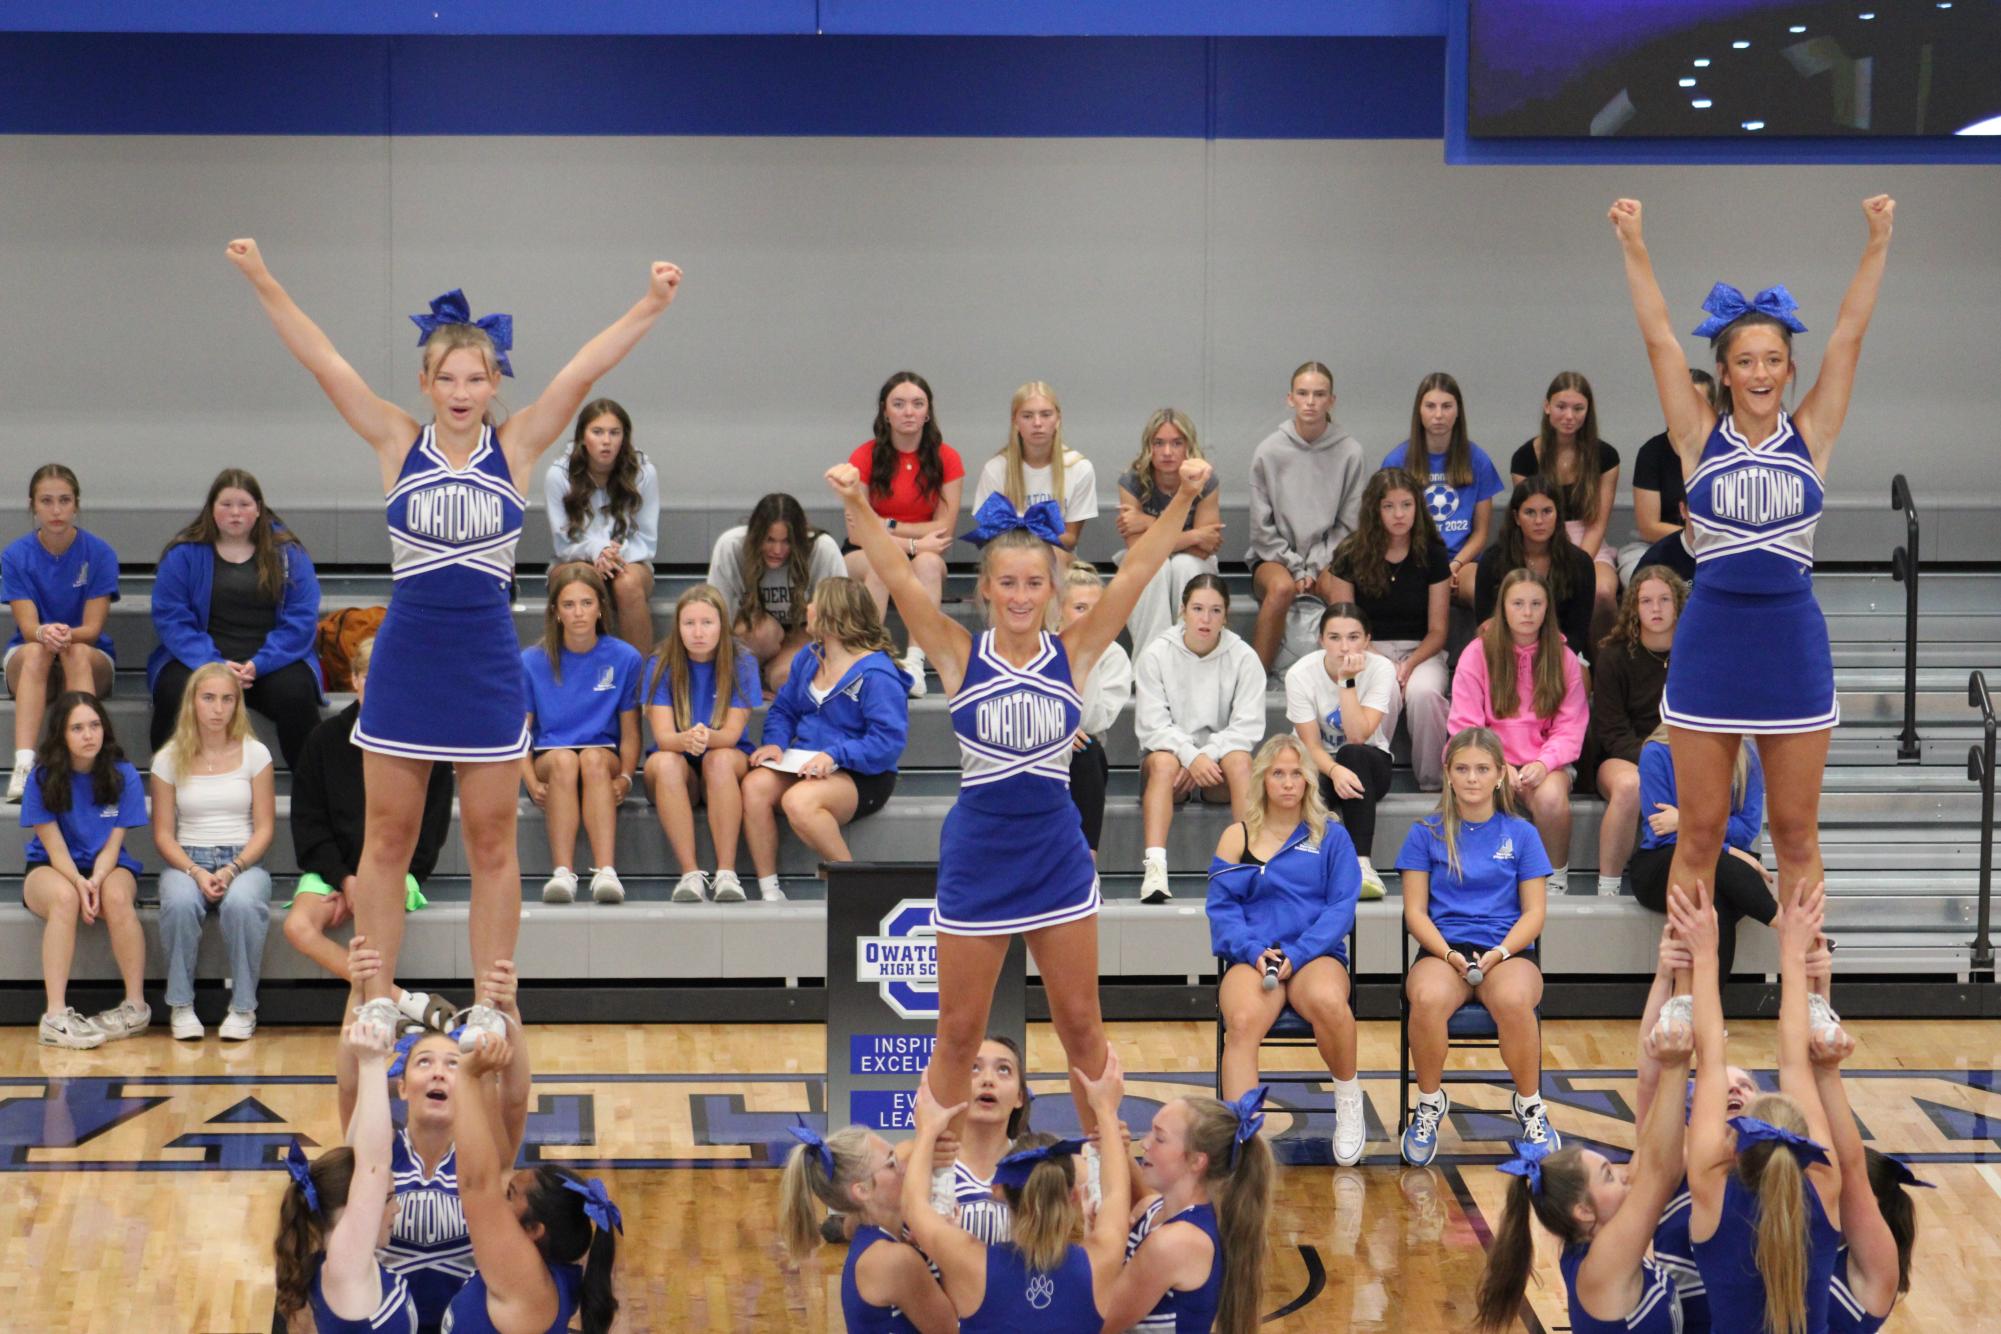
[640, 1121]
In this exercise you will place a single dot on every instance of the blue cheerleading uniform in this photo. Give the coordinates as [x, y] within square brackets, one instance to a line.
[1012, 855]
[1193, 1311]
[446, 681]
[467, 1314]
[861, 1316]
[393, 1314]
[1656, 1312]
[429, 1247]
[1674, 1253]
[1058, 1301]
[982, 1216]
[1729, 1269]
[1751, 519]
[1845, 1314]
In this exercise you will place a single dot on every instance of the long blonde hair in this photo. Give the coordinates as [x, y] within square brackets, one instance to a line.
[1740, 772]
[1015, 485]
[185, 744]
[1046, 1218]
[1449, 815]
[1257, 806]
[672, 662]
[1142, 465]
[552, 625]
[1780, 1183]
[1240, 1186]
[844, 612]
[1498, 643]
[805, 1180]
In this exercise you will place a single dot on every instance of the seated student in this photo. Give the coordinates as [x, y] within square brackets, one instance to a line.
[702, 733]
[215, 809]
[1742, 885]
[603, 501]
[1395, 569]
[1520, 682]
[1461, 480]
[886, 1285]
[1282, 892]
[1145, 487]
[1626, 707]
[84, 797]
[60, 582]
[1199, 709]
[1474, 877]
[1195, 1256]
[1038, 1278]
[1342, 702]
[845, 708]
[1306, 496]
[328, 809]
[1105, 693]
[1037, 465]
[914, 481]
[1533, 537]
[236, 586]
[1567, 450]
[583, 706]
[1658, 493]
[766, 571]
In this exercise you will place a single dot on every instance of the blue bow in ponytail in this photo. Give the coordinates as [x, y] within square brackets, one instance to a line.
[1527, 1163]
[302, 1172]
[597, 1204]
[998, 515]
[1726, 304]
[452, 308]
[1905, 1176]
[806, 1135]
[1249, 1110]
[1013, 1171]
[1750, 1130]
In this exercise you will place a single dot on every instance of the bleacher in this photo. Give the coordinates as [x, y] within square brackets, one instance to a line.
[1901, 839]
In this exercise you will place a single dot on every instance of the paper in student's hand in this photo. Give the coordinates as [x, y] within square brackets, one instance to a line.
[792, 761]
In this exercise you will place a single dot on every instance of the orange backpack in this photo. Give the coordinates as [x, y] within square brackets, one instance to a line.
[341, 633]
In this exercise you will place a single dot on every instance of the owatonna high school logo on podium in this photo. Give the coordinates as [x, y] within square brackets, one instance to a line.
[903, 960]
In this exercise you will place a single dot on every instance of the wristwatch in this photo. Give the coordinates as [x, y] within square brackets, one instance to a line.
[1506, 953]
[1349, 684]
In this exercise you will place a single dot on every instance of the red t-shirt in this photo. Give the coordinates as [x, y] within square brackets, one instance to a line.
[905, 503]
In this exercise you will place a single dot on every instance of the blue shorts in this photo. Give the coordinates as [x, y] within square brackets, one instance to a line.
[1749, 665]
[1004, 874]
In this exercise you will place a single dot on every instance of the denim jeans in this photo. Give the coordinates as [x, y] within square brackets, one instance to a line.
[245, 909]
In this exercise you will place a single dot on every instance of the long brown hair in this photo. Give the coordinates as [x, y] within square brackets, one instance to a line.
[1582, 488]
[576, 572]
[1240, 1188]
[267, 535]
[775, 508]
[1565, 1185]
[1771, 1172]
[52, 764]
[569, 1237]
[621, 486]
[1364, 552]
[844, 612]
[1450, 817]
[1458, 446]
[1498, 642]
[1514, 547]
[672, 662]
[1046, 1218]
[1142, 464]
[302, 1231]
[930, 437]
[1626, 627]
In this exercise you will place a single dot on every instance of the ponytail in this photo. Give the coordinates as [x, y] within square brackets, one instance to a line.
[1780, 1183]
[1512, 1256]
[302, 1229]
[597, 1304]
[569, 1236]
[1240, 1188]
[1045, 1217]
[805, 1180]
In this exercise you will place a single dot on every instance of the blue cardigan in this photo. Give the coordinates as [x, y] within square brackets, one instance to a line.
[1657, 789]
[181, 593]
[862, 725]
[1303, 900]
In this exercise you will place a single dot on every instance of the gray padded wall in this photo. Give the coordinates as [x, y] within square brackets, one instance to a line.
[1130, 272]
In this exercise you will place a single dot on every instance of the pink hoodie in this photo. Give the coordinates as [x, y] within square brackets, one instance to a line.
[1524, 737]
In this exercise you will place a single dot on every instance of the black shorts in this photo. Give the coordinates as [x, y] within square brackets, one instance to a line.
[1472, 951]
[871, 791]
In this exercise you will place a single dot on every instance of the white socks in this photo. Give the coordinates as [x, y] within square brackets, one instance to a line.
[944, 1197]
[1156, 855]
[1435, 1098]
[1608, 886]
[1559, 880]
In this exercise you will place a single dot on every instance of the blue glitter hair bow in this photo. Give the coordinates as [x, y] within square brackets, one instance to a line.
[452, 308]
[597, 1204]
[1249, 1111]
[1527, 1163]
[1905, 1176]
[998, 515]
[1013, 1170]
[1750, 1130]
[810, 1137]
[301, 1171]
[1725, 304]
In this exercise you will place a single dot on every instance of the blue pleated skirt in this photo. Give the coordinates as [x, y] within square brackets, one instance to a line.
[1000, 874]
[1749, 664]
[445, 683]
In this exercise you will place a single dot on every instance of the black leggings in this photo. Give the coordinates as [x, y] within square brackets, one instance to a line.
[1740, 892]
[289, 697]
[1090, 772]
[1371, 764]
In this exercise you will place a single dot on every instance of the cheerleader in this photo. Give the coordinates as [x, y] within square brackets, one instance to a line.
[602, 497]
[1012, 859]
[1145, 487]
[1756, 484]
[448, 685]
[996, 1116]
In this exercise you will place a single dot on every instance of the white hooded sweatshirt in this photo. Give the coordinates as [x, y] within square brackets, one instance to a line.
[1207, 705]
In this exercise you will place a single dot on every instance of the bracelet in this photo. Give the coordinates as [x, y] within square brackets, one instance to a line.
[1506, 953]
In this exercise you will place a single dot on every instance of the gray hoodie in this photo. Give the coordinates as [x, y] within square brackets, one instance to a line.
[1305, 496]
[1208, 705]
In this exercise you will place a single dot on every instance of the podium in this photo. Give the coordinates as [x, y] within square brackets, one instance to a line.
[882, 992]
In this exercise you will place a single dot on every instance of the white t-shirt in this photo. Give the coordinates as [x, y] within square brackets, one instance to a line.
[1080, 485]
[213, 810]
[1311, 694]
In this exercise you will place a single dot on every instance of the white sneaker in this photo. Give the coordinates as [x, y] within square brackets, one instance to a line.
[1351, 1127]
[1094, 1193]
[560, 887]
[237, 1025]
[605, 887]
[913, 668]
[186, 1027]
[728, 888]
[477, 1019]
[17, 782]
[1534, 1119]
[1679, 1012]
[388, 1016]
[694, 888]
[1372, 881]
[418, 1007]
[1153, 884]
[1820, 1016]
[126, 1019]
[1559, 880]
[70, 1029]
[769, 893]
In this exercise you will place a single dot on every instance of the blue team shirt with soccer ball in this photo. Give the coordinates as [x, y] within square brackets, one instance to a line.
[86, 826]
[583, 709]
[1480, 903]
[1451, 507]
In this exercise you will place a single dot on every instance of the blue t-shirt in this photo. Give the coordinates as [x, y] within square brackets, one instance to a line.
[747, 694]
[86, 826]
[59, 585]
[1480, 904]
[596, 688]
[1451, 507]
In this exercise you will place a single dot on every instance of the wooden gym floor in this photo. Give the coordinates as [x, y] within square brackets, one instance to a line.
[143, 1181]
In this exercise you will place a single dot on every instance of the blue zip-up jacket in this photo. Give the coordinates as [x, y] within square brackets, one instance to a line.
[1303, 899]
[1657, 789]
[862, 725]
[181, 593]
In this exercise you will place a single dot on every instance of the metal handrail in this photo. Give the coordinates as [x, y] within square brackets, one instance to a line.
[1904, 569]
[1980, 768]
